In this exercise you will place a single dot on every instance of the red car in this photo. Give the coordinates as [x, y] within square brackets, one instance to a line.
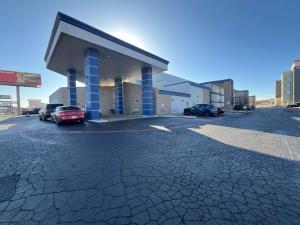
[64, 114]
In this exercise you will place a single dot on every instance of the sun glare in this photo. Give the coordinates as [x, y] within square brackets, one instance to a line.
[130, 38]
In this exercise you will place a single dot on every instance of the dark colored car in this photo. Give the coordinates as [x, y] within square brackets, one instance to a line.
[204, 110]
[31, 112]
[238, 107]
[65, 114]
[291, 106]
[247, 107]
[190, 111]
[45, 112]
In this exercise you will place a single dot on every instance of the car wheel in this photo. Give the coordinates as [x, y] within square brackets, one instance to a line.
[57, 122]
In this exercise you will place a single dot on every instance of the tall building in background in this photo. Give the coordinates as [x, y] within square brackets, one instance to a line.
[278, 93]
[287, 88]
[296, 81]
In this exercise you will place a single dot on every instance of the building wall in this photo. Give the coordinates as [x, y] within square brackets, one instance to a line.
[227, 100]
[106, 98]
[287, 87]
[206, 96]
[228, 94]
[197, 95]
[296, 84]
[241, 97]
[35, 103]
[252, 100]
[60, 96]
[278, 98]
[163, 104]
[167, 82]
[178, 103]
[132, 98]
[216, 93]
[182, 95]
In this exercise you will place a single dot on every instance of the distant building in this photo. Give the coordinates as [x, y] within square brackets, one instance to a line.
[35, 103]
[216, 93]
[61, 96]
[241, 98]
[287, 88]
[224, 97]
[296, 81]
[185, 93]
[278, 99]
[252, 100]
[265, 102]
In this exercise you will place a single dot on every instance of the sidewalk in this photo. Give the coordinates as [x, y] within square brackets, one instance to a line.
[2, 117]
[5, 117]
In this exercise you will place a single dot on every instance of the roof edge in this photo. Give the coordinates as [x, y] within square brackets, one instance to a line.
[217, 81]
[68, 19]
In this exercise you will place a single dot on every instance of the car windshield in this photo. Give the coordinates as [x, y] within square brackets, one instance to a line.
[65, 108]
[200, 105]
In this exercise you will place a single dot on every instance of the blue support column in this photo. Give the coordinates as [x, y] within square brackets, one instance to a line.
[71, 74]
[147, 91]
[92, 85]
[118, 96]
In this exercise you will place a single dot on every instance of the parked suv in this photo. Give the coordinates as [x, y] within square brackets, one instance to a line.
[204, 110]
[45, 112]
[31, 112]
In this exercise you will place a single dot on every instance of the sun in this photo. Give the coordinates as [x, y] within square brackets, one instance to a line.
[128, 37]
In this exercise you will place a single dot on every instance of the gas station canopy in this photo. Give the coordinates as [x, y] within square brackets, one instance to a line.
[70, 38]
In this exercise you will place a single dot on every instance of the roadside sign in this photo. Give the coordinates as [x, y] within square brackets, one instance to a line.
[20, 79]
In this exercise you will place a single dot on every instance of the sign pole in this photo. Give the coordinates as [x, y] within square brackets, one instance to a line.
[18, 100]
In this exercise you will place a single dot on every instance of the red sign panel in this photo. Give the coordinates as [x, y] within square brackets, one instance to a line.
[20, 79]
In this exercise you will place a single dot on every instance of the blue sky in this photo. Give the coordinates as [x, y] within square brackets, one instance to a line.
[250, 41]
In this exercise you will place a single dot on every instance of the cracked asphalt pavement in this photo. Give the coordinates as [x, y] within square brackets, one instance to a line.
[237, 169]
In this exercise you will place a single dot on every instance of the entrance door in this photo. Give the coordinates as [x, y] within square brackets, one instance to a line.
[178, 104]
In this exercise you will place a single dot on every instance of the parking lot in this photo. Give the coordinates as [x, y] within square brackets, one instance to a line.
[242, 168]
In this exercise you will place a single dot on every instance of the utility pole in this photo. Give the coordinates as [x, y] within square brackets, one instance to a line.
[18, 100]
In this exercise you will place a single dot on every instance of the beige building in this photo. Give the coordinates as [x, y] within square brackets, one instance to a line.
[216, 93]
[278, 99]
[265, 103]
[287, 88]
[165, 101]
[296, 82]
[35, 103]
[227, 99]
[241, 98]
